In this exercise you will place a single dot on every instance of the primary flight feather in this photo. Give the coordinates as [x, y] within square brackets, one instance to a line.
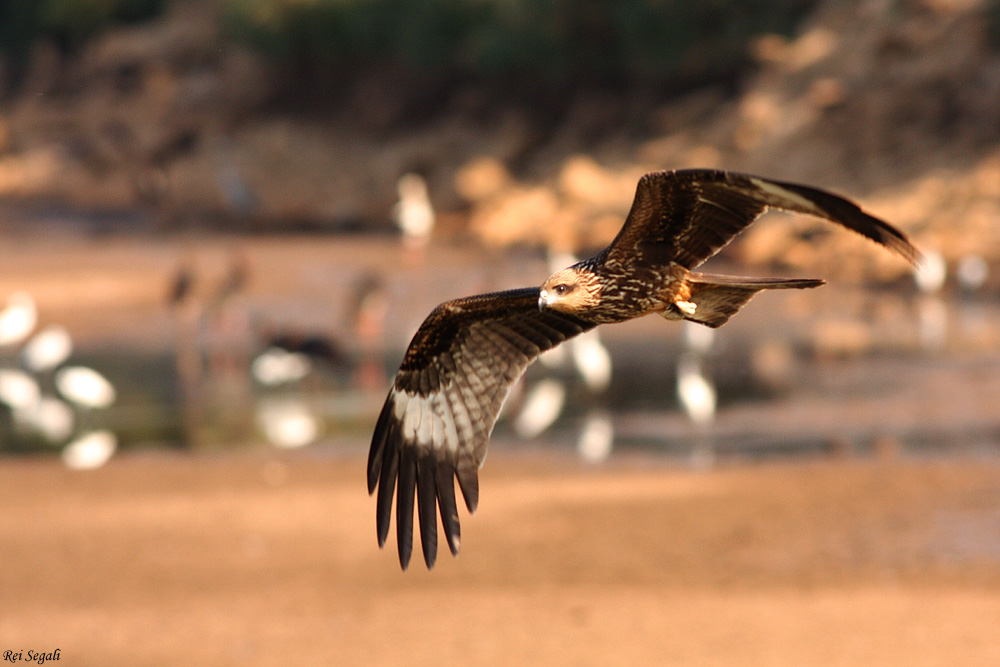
[458, 369]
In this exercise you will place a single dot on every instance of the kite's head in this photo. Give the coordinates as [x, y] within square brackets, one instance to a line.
[574, 290]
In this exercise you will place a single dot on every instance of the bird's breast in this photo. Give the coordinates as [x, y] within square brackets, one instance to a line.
[629, 294]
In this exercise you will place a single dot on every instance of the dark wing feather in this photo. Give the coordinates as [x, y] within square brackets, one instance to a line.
[436, 422]
[687, 216]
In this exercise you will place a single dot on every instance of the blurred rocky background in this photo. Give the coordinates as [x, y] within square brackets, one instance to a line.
[529, 122]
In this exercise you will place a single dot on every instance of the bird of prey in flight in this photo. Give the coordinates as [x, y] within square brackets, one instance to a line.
[459, 367]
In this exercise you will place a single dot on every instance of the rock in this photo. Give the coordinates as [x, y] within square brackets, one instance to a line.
[481, 179]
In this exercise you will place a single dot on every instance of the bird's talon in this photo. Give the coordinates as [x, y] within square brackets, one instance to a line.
[686, 307]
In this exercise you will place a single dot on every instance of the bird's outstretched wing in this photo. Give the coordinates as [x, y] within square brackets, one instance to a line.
[442, 406]
[687, 216]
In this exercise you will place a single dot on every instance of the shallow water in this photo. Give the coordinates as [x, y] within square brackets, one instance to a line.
[840, 371]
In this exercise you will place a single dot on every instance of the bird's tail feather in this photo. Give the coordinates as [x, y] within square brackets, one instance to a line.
[717, 298]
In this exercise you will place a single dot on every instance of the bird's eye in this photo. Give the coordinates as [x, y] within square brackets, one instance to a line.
[561, 289]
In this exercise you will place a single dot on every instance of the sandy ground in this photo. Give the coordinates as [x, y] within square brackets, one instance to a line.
[254, 559]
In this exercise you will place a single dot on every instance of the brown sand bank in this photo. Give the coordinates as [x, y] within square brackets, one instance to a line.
[247, 559]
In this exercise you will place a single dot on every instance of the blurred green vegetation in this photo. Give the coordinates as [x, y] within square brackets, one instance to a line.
[668, 45]
[74, 21]
[993, 22]
[67, 23]
[539, 43]
[536, 43]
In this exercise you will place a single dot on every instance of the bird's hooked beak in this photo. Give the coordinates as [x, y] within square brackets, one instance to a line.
[543, 300]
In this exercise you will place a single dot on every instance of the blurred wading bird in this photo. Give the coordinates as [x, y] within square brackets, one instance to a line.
[459, 367]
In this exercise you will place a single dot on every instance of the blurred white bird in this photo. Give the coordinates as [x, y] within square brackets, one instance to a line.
[972, 272]
[50, 417]
[276, 366]
[931, 273]
[18, 319]
[698, 338]
[414, 213]
[695, 392]
[542, 406]
[932, 312]
[85, 387]
[592, 361]
[697, 397]
[596, 437]
[18, 390]
[90, 451]
[287, 422]
[47, 349]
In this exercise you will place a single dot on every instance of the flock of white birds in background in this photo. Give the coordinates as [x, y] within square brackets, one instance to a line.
[289, 423]
[286, 420]
[80, 389]
[971, 273]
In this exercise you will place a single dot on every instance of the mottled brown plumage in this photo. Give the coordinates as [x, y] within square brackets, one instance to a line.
[459, 367]
[455, 376]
